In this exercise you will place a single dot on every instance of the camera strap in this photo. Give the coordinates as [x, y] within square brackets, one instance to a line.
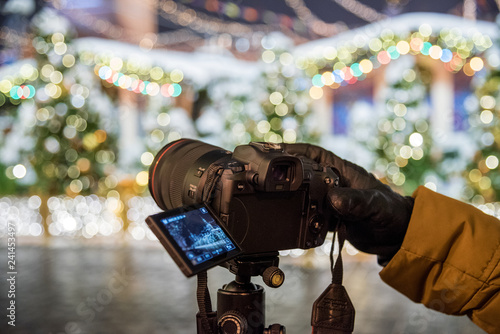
[204, 302]
[333, 312]
[206, 314]
[214, 173]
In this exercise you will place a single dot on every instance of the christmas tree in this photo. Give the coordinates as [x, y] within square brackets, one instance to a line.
[272, 106]
[483, 175]
[286, 102]
[404, 142]
[9, 161]
[75, 140]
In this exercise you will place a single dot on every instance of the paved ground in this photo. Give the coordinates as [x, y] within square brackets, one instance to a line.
[138, 289]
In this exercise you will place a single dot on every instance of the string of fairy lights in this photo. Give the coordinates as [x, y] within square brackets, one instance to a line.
[203, 23]
[381, 51]
[113, 31]
[194, 20]
[200, 22]
[311, 21]
[127, 75]
[348, 64]
[154, 80]
[361, 10]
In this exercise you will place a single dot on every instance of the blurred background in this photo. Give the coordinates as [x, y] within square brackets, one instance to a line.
[91, 90]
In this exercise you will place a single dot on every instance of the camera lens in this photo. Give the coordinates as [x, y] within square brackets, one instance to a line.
[280, 172]
[173, 164]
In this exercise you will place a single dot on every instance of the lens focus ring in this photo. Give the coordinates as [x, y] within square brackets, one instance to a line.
[171, 166]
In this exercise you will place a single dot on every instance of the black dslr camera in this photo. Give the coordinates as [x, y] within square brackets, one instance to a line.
[237, 209]
[265, 199]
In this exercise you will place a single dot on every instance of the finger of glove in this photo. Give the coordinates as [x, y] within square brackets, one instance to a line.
[359, 204]
[313, 152]
[376, 220]
[359, 178]
[352, 175]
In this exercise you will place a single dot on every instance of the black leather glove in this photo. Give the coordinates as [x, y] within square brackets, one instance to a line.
[376, 217]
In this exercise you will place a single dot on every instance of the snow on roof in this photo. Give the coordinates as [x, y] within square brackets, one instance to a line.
[400, 25]
[199, 68]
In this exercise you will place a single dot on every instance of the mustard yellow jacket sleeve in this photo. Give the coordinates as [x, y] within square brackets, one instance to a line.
[449, 260]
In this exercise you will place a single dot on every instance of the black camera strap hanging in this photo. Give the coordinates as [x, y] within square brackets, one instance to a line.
[333, 312]
[206, 317]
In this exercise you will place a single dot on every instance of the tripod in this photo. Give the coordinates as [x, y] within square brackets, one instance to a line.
[241, 303]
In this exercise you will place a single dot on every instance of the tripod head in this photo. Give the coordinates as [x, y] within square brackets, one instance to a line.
[265, 265]
[240, 303]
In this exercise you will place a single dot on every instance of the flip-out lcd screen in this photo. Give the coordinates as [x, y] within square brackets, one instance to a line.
[194, 237]
[198, 235]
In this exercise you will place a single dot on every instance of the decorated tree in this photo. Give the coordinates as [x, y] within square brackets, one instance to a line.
[403, 144]
[286, 103]
[231, 114]
[403, 147]
[271, 105]
[13, 103]
[74, 147]
[483, 175]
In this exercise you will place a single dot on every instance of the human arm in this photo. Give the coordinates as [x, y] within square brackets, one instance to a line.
[450, 260]
[446, 256]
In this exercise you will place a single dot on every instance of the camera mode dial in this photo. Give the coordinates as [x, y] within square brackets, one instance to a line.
[232, 322]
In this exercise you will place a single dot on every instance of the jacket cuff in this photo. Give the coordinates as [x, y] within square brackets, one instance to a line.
[450, 259]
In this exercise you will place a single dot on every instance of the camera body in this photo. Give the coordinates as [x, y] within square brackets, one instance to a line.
[268, 200]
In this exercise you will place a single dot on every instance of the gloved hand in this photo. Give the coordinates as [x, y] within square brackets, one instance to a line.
[376, 217]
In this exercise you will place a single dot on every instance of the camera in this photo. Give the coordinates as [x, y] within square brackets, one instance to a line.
[237, 209]
[266, 199]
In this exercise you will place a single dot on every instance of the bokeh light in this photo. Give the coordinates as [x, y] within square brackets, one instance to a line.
[476, 64]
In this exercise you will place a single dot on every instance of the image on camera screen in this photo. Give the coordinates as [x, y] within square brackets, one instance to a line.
[198, 235]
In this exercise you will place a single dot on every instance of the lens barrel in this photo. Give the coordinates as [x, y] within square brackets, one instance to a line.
[172, 165]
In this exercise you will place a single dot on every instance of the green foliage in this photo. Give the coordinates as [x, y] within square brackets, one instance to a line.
[276, 107]
[403, 144]
[287, 106]
[483, 174]
[72, 152]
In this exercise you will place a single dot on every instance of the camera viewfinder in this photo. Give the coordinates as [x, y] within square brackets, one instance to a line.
[280, 173]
